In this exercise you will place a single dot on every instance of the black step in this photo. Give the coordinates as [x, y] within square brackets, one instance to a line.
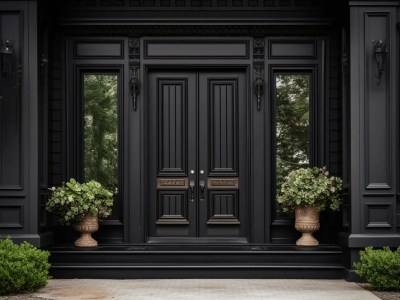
[195, 261]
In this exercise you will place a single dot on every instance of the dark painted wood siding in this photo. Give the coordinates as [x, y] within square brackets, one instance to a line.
[335, 108]
[56, 145]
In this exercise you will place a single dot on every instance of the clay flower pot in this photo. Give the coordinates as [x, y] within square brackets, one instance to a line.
[307, 222]
[86, 227]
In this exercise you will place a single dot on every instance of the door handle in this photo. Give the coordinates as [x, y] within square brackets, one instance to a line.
[202, 190]
[191, 187]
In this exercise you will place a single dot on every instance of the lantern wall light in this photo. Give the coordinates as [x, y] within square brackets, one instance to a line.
[380, 53]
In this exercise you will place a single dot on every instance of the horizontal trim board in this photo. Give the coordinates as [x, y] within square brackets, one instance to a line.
[369, 239]
[98, 49]
[201, 266]
[189, 272]
[292, 49]
[228, 248]
[11, 188]
[196, 49]
[378, 195]
[373, 3]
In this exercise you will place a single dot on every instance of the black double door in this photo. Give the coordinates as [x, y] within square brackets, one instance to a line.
[198, 140]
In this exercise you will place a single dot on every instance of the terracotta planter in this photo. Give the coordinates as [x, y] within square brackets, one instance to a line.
[307, 222]
[86, 227]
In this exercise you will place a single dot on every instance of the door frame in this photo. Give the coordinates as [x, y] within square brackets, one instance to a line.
[244, 171]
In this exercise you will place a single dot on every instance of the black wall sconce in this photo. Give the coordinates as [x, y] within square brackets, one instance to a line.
[380, 53]
[259, 85]
[6, 57]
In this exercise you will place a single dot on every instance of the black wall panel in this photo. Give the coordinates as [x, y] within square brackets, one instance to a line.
[20, 124]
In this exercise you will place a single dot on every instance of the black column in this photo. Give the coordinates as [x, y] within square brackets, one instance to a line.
[19, 123]
[372, 131]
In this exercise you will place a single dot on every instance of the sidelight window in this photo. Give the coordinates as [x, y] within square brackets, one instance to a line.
[100, 129]
[292, 123]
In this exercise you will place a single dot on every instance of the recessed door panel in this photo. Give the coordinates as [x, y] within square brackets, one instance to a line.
[197, 154]
[223, 154]
[172, 126]
[223, 120]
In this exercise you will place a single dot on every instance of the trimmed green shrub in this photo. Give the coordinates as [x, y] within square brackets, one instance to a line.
[380, 267]
[23, 268]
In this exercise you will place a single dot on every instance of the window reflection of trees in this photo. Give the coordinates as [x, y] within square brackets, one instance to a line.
[292, 124]
[101, 129]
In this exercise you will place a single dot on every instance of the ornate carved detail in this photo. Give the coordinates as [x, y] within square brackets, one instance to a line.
[134, 66]
[258, 67]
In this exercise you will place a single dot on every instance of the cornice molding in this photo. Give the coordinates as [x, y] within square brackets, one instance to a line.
[205, 30]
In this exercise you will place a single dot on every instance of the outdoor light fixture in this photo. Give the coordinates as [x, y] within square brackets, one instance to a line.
[380, 52]
[259, 85]
[6, 59]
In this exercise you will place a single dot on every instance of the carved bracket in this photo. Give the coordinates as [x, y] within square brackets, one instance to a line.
[134, 66]
[258, 67]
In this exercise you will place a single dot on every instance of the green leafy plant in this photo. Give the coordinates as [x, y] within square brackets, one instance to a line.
[72, 201]
[380, 267]
[310, 187]
[23, 268]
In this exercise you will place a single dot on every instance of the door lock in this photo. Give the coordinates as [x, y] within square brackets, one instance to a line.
[191, 187]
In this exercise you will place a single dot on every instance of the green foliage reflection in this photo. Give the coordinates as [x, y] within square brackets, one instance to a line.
[292, 124]
[100, 129]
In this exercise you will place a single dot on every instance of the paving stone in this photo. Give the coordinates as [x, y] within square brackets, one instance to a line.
[198, 289]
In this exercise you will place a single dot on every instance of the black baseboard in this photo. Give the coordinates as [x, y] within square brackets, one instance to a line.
[196, 272]
[39, 240]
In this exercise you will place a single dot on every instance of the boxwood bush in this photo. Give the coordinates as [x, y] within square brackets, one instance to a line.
[380, 267]
[23, 268]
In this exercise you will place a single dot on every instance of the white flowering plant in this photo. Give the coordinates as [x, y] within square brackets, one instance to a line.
[73, 200]
[310, 187]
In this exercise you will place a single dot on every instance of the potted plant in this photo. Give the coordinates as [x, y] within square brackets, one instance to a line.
[307, 192]
[81, 204]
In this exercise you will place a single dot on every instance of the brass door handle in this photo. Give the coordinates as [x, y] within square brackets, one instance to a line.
[202, 190]
[191, 188]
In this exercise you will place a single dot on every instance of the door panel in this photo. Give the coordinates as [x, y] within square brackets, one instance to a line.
[172, 99]
[222, 153]
[197, 154]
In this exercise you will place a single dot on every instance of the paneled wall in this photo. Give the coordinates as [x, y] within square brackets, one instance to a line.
[19, 124]
[373, 130]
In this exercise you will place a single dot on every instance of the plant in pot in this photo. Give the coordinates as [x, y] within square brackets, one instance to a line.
[81, 204]
[307, 192]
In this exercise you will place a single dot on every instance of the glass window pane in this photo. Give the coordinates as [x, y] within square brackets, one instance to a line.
[100, 129]
[292, 124]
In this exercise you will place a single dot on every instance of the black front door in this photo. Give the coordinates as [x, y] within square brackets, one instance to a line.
[197, 154]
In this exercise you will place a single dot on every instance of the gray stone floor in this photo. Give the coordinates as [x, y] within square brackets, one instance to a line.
[210, 289]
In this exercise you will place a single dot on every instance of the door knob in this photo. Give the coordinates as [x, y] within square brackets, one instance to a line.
[191, 187]
[202, 190]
